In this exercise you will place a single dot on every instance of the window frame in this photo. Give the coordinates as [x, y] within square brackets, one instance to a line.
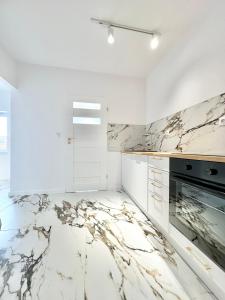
[6, 115]
[87, 113]
[87, 121]
[87, 105]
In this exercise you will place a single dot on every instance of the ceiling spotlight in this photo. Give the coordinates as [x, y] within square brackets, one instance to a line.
[154, 43]
[111, 38]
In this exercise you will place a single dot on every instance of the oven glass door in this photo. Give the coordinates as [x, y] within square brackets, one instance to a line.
[198, 212]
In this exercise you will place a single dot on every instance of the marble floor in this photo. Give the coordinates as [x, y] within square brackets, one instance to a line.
[91, 246]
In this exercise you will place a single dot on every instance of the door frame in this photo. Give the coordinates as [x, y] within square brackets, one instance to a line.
[69, 153]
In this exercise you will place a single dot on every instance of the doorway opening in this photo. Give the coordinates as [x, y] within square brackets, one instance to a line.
[5, 141]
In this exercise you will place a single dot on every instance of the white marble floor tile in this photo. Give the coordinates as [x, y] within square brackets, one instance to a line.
[91, 246]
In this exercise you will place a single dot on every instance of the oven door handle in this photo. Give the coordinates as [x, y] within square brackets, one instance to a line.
[200, 185]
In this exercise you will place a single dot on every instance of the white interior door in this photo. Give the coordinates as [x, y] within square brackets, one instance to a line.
[90, 146]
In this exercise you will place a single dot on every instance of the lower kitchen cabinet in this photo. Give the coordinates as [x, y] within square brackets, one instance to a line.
[158, 191]
[146, 180]
[135, 177]
[158, 205]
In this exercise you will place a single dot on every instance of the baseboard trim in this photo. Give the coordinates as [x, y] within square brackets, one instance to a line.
[50, 191]
[36, 191]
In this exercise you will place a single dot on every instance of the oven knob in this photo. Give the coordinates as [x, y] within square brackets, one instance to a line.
[212, 171]
[188, 167]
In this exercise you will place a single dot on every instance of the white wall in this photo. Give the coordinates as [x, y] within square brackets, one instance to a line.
[7, 67]
[5, 157]
[42, 106]
[193, 71]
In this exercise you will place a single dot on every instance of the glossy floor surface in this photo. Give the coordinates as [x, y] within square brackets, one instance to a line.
[91, 246]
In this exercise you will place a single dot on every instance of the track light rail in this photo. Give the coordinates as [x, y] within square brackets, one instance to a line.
[120, 26]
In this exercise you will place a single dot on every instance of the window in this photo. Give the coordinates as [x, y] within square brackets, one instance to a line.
[85, 120]
[87, 105]
[87, 113]
[3, 132]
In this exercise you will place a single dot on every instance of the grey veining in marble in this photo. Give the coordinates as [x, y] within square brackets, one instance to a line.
[125, 137]
[89, 246]
[193, 130]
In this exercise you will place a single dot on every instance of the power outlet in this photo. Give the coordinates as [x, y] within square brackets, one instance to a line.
[222, 121]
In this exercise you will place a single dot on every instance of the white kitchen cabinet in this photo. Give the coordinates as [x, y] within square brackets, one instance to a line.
[158, 191]
[135, 177]
[158, 208]
[159, 176]
[159, 162]
[146, 180]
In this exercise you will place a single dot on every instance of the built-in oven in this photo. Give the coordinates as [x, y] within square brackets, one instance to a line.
[197, 204]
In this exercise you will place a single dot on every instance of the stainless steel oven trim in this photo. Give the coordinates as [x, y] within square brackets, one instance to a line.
[200, 188]
[210, 188]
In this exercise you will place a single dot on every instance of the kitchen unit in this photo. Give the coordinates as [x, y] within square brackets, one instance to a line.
[146, 180]
[136, 182]
[158, 190]
[172, 180]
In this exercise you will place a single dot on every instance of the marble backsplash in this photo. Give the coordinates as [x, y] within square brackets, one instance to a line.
[125, 137]
[193, 130]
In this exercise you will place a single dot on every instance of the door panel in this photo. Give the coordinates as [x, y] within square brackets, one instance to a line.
[90, 151]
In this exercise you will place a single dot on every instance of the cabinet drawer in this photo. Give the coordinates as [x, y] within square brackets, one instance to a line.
[159, 176]
[158, 162]
[159, 210]
[158, 191]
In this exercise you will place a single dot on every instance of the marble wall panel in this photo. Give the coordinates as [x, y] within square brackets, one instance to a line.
[123, 137]
[193, 130]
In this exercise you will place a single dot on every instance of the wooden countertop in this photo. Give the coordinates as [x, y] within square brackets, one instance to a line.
[216, 158]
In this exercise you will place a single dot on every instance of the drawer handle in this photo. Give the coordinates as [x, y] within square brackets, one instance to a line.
[156, 198]
[156, 172]
[156, 185]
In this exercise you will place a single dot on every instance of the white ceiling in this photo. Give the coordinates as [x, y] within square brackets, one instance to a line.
[59, 32]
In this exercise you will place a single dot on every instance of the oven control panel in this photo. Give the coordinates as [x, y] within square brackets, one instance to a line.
[206, 170]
